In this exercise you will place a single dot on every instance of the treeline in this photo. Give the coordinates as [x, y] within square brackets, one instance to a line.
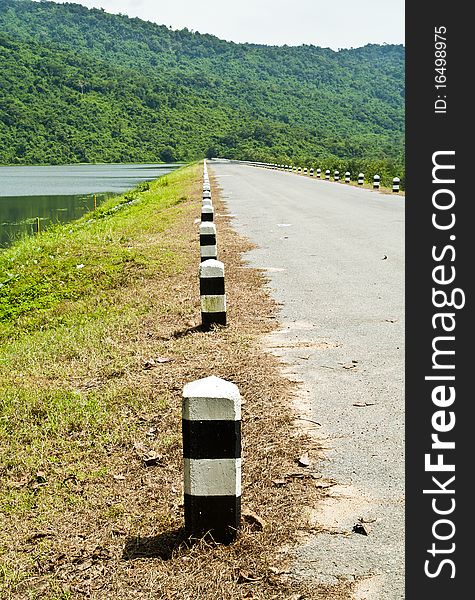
[84, 85]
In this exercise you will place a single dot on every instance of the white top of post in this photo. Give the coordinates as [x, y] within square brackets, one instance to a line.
[211, 399]
[211, 268]
[207, 228]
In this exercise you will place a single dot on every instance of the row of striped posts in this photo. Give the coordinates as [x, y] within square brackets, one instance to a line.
[336, 175]
[211, 413]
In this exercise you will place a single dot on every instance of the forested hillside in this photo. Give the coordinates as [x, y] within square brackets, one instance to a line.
[84, 85]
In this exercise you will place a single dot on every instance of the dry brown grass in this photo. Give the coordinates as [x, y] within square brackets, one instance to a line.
[119, 535]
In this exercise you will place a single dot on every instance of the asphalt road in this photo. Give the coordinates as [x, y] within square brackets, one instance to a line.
[335, 257]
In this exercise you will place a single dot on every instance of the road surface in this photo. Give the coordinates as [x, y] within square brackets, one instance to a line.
[335, 257]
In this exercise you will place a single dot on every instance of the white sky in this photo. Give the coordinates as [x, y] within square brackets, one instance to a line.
[338, 24]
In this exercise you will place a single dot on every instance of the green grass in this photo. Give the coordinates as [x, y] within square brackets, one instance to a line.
[64, 301]
[73, 300]
[69, 262]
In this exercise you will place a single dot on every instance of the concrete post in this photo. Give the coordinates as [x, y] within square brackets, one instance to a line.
[376, 179]
[211, 426]
[305, 171]
[207, 213]
[208, 245]
[396, 182]
[311, 172]
[213, 297]
[327, 174]
[347, 177]
[361, 179]
[336, 176]
[319, 173]
[206, 194]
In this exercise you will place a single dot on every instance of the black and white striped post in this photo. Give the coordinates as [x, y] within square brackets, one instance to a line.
[207, 213]
[376, 180]
[299, 170]
[327, 174]
[311, 173]
[396, 182]
[347, 177]
[319, 173]
[211, 426]
[305, 171]
[206, 195]
[207, 202]
[208, 245]
[212, 293]
[361, 179]
[336, 176]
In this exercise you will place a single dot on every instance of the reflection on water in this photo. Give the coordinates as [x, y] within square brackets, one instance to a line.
[61, 194]
[20, 214]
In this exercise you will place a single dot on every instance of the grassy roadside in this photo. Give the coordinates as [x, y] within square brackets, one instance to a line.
[98, 334]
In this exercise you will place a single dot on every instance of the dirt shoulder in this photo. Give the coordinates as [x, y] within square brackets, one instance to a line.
[92, 483]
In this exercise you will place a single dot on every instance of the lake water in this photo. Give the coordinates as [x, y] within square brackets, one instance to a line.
[62, 193]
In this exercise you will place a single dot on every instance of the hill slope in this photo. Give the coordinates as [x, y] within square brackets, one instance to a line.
[80, 84]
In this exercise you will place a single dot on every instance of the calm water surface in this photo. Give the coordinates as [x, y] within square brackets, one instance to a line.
[63, 193]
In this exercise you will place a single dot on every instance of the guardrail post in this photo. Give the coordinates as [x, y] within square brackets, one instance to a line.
[361, 179]
[207, 213]
[212, 293]
[347, 177]
[211, 426]
[208, 245]
[396, 182]
[376, 180]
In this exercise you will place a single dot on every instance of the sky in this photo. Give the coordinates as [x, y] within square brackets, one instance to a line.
[342, 24]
